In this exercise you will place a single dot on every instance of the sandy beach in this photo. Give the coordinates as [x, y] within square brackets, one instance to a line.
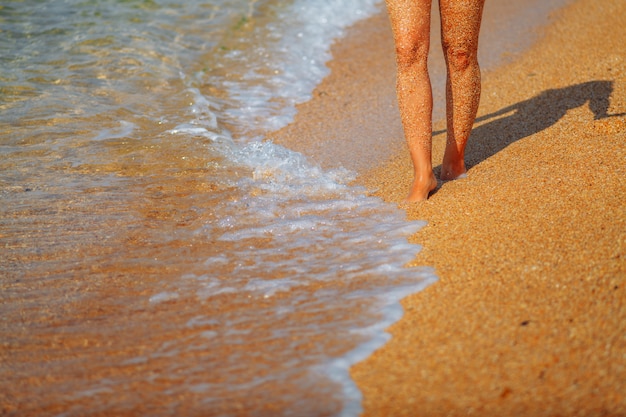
[529, 315]
[121, 249]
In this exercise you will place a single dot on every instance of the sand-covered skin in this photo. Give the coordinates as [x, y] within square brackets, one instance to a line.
[529, 316]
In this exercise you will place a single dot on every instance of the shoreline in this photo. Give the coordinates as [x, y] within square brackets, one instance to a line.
[529, 315]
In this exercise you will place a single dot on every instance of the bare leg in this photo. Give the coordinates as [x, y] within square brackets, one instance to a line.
[460, 24]
[410, 21]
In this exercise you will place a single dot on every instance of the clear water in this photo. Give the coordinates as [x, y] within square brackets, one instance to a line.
[158, 257]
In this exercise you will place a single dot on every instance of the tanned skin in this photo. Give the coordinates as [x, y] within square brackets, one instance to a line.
[460, 25]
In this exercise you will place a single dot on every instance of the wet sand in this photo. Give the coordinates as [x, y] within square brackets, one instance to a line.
[529, 316]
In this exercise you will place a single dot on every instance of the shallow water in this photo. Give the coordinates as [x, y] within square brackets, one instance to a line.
[158, 256]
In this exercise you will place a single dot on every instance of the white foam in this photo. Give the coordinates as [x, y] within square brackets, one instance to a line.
[277, 65]
[124, 130]
[295, 207]
[201, 321]
[338, 369]
[163, 296]
[190, 129]
[212, 287]
[270, 287]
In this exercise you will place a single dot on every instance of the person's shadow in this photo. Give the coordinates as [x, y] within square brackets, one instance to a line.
[532, 116]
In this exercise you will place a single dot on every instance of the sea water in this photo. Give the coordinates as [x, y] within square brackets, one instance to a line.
[159, 257]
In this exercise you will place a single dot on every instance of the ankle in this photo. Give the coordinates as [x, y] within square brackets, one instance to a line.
[423, 184]
[451, 170]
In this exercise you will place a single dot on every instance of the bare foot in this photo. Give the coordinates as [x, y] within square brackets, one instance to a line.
[421, 188]
[452, 170]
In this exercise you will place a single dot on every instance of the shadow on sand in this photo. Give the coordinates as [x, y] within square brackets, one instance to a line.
[532, 116]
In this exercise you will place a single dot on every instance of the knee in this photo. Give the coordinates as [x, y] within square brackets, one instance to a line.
[411, 54]
[459, 58]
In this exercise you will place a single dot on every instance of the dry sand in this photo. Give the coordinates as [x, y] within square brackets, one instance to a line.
[529, 316]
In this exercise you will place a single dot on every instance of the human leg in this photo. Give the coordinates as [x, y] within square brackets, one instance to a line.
[410, 22]
[460, 25]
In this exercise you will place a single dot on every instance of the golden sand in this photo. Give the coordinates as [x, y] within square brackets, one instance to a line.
[529, 316]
